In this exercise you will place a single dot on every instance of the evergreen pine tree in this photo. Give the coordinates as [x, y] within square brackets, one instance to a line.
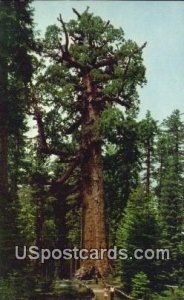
[147, 133]
[16, 39]
[138, 230]
[171, 201]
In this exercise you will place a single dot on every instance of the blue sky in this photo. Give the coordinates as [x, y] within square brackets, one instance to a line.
[160, 23]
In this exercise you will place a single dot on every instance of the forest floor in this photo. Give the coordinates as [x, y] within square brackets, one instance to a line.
[98, 290]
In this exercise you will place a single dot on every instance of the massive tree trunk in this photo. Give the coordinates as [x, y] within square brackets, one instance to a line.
[93, 213]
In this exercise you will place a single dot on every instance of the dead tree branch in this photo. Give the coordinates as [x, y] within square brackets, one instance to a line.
[76, 12]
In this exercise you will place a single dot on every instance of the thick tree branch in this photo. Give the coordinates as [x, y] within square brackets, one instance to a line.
[127, 66]
[43, 145]
[115, 99]
[120, 101]
[72, 62]
[69, 171]
[72, 190]
[66, 56]
[113, 59]
[106, 62]
[38, 117]
[64, 156]
[60, 19]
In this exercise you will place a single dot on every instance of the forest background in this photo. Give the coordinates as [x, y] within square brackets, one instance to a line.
[91, 157]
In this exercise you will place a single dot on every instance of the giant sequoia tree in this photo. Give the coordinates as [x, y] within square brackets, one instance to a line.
[91, 67]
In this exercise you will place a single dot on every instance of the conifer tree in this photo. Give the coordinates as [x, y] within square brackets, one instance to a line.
[138, 230]
[122, 163]
[92, 66]
[171, 201]
[16, 39]
[148, 130]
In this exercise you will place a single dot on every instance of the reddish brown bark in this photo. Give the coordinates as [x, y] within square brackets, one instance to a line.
[93, 212]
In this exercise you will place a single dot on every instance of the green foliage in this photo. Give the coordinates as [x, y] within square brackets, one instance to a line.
[71, 290]
[8, 289]
[16, 41]
[148, 130]
[138, 229]
[166, 172]
[121, 163]
[32, 202]
[111, 118]
[27, 212]
[89, 47]
[143, 164]
[91, 40]
[16, 286]
[171, 197]
[173, 293]
[140, 286]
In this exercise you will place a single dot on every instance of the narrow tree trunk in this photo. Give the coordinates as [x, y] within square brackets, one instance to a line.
[148, 168]
[3, 130]
[3, 158]
[5, 241]
[160, 176]
[39, 268]
[94, 229]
